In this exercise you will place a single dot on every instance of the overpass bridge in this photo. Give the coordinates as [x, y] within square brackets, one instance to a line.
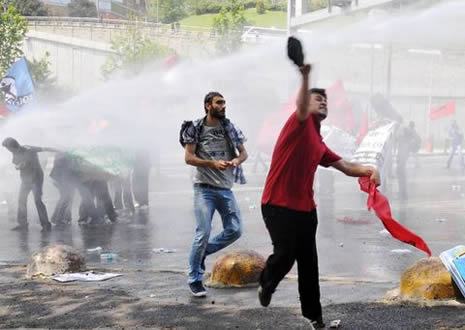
[79, 47]
[181, 39]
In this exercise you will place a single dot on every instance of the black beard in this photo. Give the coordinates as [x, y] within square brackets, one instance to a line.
[218, 114]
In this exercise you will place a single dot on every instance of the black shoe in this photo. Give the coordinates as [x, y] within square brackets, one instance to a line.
[264, 296]
[20, 227]
[318, 323]
[46, 227]
[197, 289]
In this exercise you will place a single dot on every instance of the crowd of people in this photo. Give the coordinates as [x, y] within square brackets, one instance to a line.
[96, 204]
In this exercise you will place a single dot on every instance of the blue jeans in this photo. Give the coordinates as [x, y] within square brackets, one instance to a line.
[206, 201]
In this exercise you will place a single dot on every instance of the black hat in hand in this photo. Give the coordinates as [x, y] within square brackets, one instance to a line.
[294, 51]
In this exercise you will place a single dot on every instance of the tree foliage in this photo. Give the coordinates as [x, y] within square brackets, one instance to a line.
[47, 90]
[167, 11]
[30, 7]
[82, 8]
[229, 25]
[133, 51]
[40, 72]
[260, 7]
[13, 28]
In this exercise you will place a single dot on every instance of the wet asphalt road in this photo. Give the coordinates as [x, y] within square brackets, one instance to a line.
[350, 239]
[357, 262]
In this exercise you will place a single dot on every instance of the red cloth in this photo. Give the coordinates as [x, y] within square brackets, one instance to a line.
[380, 204]
[4, 110]
[447, 109]
[296, 156]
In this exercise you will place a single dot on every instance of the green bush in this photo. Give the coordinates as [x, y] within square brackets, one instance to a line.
[318, 4]
[206, 7]
[250, 4]
[260, 7]
[276, 5]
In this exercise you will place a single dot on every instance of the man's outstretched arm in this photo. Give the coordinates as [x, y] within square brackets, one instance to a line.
[42, 149]
[357, 170]
[303, 98]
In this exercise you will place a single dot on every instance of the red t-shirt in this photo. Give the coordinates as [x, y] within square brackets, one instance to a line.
[296, 156]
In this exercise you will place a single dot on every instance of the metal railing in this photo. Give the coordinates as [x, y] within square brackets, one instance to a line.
[249, 33]
[109, 23]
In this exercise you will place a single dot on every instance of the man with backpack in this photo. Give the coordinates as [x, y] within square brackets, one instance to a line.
[215, 146]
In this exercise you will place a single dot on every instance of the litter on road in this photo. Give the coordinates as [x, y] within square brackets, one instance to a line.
[84, 277]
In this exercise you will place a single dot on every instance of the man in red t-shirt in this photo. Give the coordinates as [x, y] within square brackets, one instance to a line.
[288, 208]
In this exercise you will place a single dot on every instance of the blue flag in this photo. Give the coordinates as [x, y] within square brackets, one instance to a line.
[17, 86]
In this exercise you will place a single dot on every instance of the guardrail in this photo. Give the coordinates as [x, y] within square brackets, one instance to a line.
[108, 23]
[249, 33]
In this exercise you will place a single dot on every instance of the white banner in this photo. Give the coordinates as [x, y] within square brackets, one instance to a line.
[376, 149]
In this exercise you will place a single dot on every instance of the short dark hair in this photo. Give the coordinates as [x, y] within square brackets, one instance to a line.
[10, 143]
[209, 98]
[320, 91]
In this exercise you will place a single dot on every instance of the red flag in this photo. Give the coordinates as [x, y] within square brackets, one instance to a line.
[272, 126]
[446, 110]
[380, 204]
[339, 108]
[4, 110]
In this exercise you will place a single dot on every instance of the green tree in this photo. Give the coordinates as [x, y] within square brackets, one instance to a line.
[260, 7]
[82, 8]
[13, 28]
[229, 25]
[30, 7]
[167, 11]
[40, 72]
[45, 84]
[133, 51]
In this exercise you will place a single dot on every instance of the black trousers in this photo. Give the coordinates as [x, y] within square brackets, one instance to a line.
[293, 237]
[95, 201]
[62, 213]
[87, 207]
[35, 185]
[104, 204]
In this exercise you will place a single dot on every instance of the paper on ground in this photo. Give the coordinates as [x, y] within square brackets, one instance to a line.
[84, 276]
[401, 251]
